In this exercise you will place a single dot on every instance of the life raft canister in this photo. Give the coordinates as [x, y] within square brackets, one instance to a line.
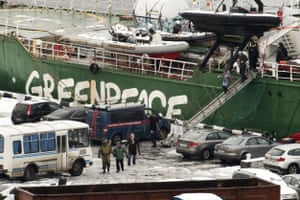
[94, 68]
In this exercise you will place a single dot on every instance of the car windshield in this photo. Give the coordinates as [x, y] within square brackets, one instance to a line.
[234, 140]
[275, 152]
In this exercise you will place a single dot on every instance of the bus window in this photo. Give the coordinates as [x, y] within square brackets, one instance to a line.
[47, 141]
[1, 144]
[78, 138]
[17, 147]
[31, 143]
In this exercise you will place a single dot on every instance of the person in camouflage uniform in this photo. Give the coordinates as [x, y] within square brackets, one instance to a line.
[104, 152]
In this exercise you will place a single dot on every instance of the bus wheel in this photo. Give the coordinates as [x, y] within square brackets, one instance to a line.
[77, 169]
[29, 173]
[116, 137]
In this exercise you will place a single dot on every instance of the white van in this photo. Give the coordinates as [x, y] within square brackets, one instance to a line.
[196, 196]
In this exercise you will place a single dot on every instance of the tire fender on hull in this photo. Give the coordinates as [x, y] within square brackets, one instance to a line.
[94, 68]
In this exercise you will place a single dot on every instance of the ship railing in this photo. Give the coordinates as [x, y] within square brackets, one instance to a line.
[84, 55]
[281, 71]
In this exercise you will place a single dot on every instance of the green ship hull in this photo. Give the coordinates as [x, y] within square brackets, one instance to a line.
[265, 104]
[22, 72]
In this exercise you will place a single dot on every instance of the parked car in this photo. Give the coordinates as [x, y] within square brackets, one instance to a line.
[6, 107]
[293, 181]
[286, 193]
[70, 113]
[196, 196]
[295, 137]
[200, 142]
[240, 147]
[32, 110]
[283, 159]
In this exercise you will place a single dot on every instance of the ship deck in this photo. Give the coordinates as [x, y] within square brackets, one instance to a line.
[84, 27]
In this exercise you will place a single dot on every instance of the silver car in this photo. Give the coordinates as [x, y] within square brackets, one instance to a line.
[240, 147]
[283, 159]
[200, 143]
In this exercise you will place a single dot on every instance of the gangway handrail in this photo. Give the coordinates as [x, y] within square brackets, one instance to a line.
[220, 100]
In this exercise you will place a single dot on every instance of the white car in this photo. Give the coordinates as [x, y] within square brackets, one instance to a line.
[196, 196]
[283, 159]
[6, 107]
[286, 193]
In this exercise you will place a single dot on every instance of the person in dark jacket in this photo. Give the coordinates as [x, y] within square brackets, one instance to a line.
[243, 65]
[133, 148]
[253, 55]
[104, 152]
[119, 153]
[282, 53]
[153, 129]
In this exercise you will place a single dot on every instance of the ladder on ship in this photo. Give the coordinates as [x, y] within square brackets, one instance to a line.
[278, 35]
[220, 100]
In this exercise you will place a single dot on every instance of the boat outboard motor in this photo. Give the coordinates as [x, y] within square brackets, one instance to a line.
[260, 6]
[258, 2]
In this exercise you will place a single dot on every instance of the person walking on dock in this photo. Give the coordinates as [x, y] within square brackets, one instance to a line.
[119, 153]
[133, 147]
[104, 152]
[153, 129]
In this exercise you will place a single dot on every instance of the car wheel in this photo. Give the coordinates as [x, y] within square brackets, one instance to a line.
[293, 169]
[205, 154]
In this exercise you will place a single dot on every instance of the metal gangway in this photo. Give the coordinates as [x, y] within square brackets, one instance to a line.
[220, 100]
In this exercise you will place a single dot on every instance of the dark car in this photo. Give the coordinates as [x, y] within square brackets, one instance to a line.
[200, 142]
[32, 110]
[70, 113]
[240, 147]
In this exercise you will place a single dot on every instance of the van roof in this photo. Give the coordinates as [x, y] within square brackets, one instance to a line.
[120, 106]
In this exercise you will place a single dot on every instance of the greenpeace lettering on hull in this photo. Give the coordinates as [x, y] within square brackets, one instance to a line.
[88, 92]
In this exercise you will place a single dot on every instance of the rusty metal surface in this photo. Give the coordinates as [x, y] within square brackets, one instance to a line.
[227, 189]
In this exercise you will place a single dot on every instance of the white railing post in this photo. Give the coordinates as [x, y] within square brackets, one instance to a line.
[291, 73]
